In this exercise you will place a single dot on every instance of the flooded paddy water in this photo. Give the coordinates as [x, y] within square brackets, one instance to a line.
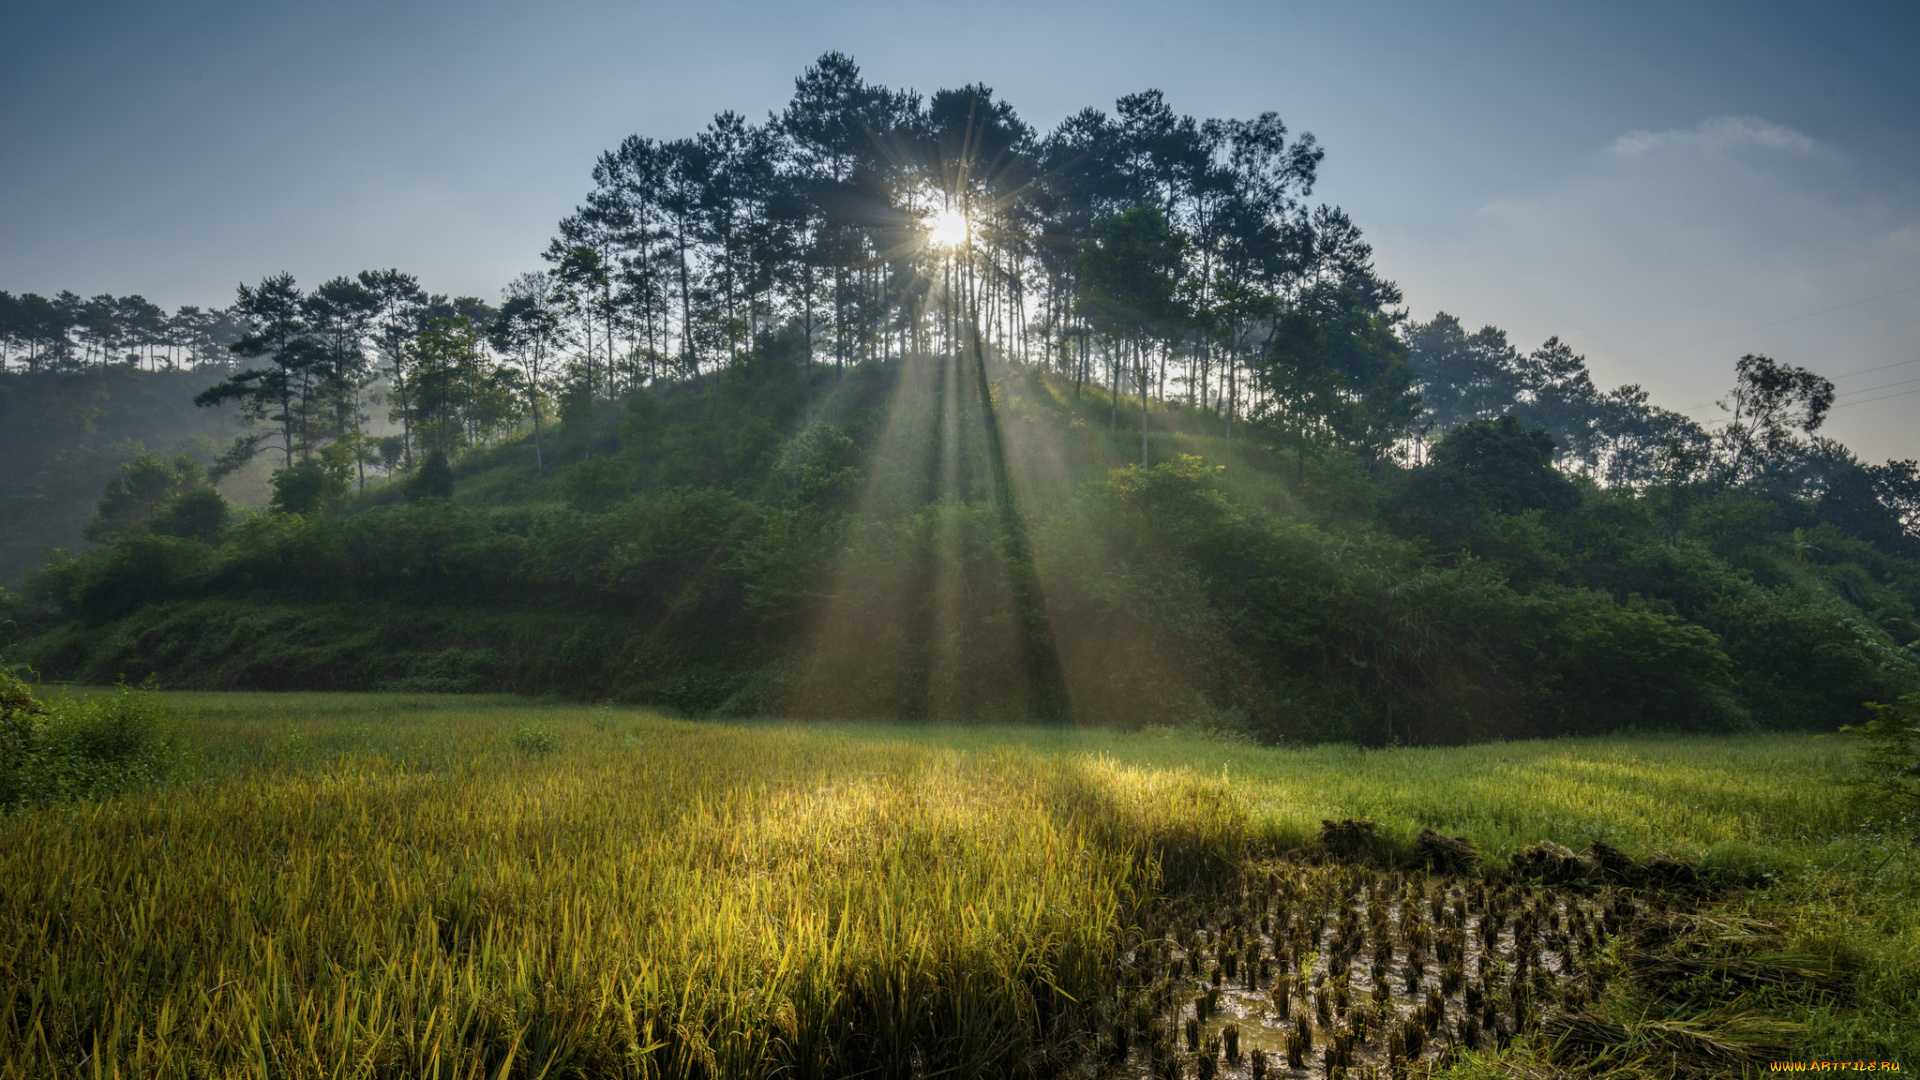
[1340, 970]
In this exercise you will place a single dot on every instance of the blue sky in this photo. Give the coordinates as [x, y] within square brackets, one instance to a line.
[1653, 182]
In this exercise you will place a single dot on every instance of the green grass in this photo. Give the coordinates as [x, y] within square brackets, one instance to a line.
[1712, 798]
[371, 885]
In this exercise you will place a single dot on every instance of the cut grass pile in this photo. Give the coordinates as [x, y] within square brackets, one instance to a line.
[367, 885]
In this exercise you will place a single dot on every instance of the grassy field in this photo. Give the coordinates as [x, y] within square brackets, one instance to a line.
[382, 885]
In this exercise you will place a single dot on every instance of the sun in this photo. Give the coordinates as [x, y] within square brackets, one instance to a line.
[947, 228]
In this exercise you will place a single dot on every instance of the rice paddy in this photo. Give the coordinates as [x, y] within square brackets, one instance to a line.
[386, 885]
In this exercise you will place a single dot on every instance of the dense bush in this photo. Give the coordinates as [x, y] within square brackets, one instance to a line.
[1630, 668]
[1312, 635]
[309, 488]
[72, 748]
[1893, 757]
[141, 568]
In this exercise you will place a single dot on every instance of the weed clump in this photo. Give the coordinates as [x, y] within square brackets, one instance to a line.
[79, 748]
[534, 739]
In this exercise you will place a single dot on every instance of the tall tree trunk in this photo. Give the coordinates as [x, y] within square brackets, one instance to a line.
[539, 459]
[1233, 369]
[1142, 363]
[686, 302]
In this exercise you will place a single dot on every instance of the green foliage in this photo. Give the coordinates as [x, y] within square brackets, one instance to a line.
[578, 414]
[65, 436]
[715, 547]
[642, 429]
[435, 478]
[165, 498]
[1893, 757]
[141, 568]
[1130, 267]
[200, 514]
[1481, 482]
[1316, 637]
[595, 485]
[534, 739]
[1335, 371]
[819, 468]
[146, 485]
[309, 488]
[75, 748]
[22, 723]
[1507, 466]
[457, 396]
[1805, 660]
[1629, 668]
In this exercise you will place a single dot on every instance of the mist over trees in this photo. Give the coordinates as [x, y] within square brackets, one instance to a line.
[893, 404]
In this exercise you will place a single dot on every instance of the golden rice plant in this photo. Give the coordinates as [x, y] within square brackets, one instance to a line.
[666, 900]
[383, 885]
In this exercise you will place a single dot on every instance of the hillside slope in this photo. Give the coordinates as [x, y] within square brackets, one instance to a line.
[879, 543]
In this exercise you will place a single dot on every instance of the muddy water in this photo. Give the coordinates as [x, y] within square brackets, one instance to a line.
[1284, 924]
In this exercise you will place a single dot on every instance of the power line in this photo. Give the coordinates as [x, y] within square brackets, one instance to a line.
[1882, 367]
[1751, 329]
[1834, 378]
[1882, 386]
[1883, 397]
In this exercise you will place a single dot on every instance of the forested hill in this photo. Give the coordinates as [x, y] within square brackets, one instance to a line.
[901, 549]
[65, 434]
[894, 405]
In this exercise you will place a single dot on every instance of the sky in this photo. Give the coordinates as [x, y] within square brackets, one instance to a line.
[1665, 186]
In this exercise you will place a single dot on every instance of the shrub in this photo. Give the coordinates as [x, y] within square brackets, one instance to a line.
[1805, 660]
[140, 568]
[435, 479]
[79, 748]
[143, 489]
[1627, 667]
[534, 739]
[200, 514]
[1893, 757]
[308, 488]
[597, 484]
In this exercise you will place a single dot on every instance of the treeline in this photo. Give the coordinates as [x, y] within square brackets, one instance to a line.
[894, 406]
[68, 332]
[1145, 248]
[1141, 249]
[708, 547]
[1161, 256]
[323, 361]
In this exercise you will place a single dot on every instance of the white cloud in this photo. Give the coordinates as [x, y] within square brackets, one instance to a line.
[1718, 135]
[1658, 240]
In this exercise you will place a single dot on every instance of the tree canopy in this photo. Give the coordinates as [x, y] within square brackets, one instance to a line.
[837, 413]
